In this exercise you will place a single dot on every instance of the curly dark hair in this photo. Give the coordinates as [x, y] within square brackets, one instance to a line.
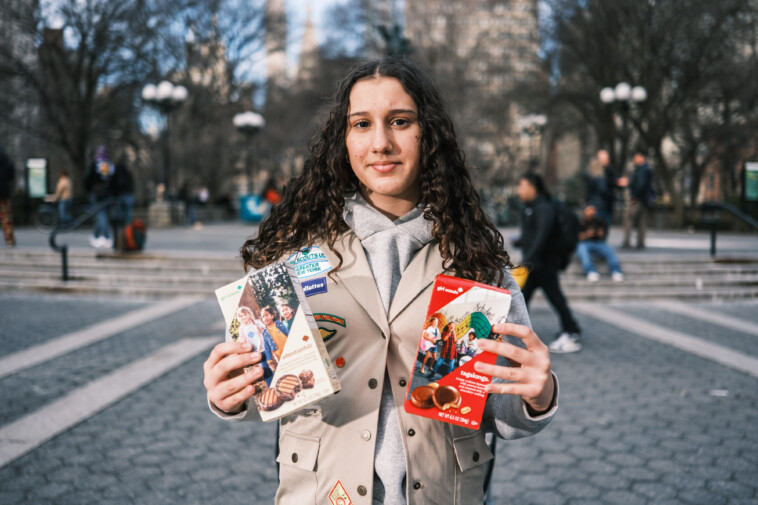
[312, 203]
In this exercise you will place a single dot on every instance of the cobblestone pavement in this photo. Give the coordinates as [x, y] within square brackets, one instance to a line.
[639, 422]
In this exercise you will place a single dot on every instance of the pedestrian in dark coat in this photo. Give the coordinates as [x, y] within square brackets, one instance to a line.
[539, 253]
[640, 200]
[7, 176]
[100, 185]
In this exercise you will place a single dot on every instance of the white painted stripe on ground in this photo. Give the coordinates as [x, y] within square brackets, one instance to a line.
[53, 348]
[30, 431]
[703, 314]
[693, 345]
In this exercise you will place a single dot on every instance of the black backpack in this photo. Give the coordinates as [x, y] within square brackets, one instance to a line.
[565, 232]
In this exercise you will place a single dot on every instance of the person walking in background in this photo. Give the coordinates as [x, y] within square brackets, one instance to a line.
[640, 200]
[7, 176]
[187, 195]
[270, 193]
[593, 232]
[123, 188]
[611, 184]
[538, 221]
[99, 185]
[598, 192]
[64, 195]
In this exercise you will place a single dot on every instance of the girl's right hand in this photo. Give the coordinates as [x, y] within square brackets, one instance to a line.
[228, 385]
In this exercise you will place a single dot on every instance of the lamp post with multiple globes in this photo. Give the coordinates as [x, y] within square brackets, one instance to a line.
[165, 97]
[623, 95]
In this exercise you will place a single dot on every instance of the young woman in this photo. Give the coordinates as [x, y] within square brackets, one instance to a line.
[447, 350]
[285, 309]
[386, 197]
[428, 344]
[468, 347]
[275, 329]
[250, 332]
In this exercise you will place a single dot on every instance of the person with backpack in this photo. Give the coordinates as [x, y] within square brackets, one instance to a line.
[544, 252]
[123, 188]
[99, 184]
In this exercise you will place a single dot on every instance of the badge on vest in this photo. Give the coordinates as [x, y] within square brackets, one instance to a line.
[326, 334]
[329, 318]
[309, 262]
[339, 496]
[314, 286]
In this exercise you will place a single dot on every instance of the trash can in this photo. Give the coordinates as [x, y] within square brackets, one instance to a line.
[253, 208]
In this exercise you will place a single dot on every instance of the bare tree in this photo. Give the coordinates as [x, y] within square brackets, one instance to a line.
[91, 65]
[222, 44]
[686, 53]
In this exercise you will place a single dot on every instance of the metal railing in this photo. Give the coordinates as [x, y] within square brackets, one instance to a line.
[712, 213]
[77, 223]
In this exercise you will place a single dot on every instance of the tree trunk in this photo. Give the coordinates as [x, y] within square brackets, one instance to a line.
[662, 169]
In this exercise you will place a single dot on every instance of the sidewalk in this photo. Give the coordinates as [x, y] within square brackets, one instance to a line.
[225, 238]
[643, 418]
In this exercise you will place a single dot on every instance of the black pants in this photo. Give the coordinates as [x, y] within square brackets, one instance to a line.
[547, 279]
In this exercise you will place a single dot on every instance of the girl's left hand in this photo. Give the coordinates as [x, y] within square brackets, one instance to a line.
[529, 375]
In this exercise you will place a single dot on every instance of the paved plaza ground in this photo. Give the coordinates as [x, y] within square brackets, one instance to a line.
[95, 412]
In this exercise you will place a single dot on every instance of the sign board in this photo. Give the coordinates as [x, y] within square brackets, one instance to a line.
[253, 208]
[751, 181]
[36, 177]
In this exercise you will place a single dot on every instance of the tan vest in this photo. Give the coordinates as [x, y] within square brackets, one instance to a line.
[335, 442]
[329, 448]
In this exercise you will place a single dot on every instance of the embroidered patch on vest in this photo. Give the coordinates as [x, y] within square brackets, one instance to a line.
[309, 262]
[329, 318]
[339, 496]
[314, 286]
[326, 334]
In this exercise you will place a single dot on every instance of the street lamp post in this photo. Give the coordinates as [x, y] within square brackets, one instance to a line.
[531, 125]
[249, 123]
[624, 95]
[165, 97]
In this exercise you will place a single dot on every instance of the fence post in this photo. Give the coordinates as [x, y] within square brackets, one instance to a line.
[713, 238]
[64, 259]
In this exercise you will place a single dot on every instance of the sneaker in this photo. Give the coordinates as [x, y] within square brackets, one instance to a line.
[566, 343]
[94, 241]
[593, 276]
[106, 243]
[617, 276]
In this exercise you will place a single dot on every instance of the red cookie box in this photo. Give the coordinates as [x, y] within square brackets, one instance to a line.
[460, 313]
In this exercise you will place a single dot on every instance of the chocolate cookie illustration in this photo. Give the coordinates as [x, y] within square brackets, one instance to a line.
[307, 379]
[446, 397]
[288, 386]
[269, 400]
[421, 397]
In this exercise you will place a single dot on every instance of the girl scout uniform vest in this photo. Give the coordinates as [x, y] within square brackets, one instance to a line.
[326, 453]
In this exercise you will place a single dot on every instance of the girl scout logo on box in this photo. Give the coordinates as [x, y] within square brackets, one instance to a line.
[309, 262]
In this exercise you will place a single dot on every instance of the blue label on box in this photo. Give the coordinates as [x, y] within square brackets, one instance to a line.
[314, 286]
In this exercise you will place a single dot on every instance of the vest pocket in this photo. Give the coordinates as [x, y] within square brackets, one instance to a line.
[471, 450]
[472, 454]
[298, 455]
[298, 451]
